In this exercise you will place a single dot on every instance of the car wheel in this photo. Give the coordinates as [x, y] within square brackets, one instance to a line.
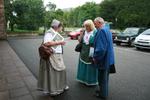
[118, 43]
[138, 48]
[131, 43]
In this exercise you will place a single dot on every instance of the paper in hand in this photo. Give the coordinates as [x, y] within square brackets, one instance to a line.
[91, 53]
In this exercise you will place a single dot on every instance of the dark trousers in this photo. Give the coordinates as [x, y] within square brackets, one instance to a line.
[103, 79]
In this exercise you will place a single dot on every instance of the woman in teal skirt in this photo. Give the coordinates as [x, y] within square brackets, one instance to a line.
[87, 73]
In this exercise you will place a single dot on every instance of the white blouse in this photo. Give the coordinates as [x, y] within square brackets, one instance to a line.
[87, 37]
[49, 37]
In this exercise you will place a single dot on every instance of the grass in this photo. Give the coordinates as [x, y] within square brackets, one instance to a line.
[71, 28]
[38, 32]
[18, 31]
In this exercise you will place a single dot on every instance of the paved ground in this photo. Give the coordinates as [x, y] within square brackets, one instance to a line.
[16, 81]
[131, 82]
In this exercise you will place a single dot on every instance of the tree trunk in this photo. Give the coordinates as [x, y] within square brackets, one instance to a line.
[12, 27]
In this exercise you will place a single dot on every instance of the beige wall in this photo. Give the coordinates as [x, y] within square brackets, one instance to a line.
[2, 21]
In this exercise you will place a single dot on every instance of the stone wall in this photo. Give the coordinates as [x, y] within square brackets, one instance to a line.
[2, 21]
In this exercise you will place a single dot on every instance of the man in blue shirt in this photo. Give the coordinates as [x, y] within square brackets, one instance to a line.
[103, 55]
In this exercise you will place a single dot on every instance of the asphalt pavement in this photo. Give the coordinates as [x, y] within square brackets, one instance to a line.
[131, 82]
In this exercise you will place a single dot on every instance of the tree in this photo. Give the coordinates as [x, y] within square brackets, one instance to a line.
[9, 13]
[127, 12]
[87, 11]
[30, 14]
[122, 13]
[51, 6]
[26, 14]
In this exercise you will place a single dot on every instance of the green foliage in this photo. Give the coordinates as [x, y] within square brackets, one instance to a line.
[122, 13]
[31, 14]
[18, 31]
[80, 14]
[9, 9]
[50, 15]
[127, 12]
[73, 18]
[51, 6]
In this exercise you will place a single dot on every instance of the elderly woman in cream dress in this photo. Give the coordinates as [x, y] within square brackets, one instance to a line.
[52, 72]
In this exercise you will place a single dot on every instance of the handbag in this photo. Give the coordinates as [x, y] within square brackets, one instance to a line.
[45, 51]
[78, 47]
[112, 69]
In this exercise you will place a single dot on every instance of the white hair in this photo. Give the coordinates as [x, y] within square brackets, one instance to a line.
[100, 19]
[55, 23]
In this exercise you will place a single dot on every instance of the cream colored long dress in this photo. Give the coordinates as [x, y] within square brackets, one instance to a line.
[52, 73]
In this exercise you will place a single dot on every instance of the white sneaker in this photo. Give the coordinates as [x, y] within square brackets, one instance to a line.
[46, 93]
[54, 94]
[66, 88]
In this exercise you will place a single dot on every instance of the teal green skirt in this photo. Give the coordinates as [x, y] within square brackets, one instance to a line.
[87, 73]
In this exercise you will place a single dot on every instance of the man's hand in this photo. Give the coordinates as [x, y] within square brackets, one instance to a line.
[94, 61]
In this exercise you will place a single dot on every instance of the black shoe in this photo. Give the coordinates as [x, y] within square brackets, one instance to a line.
[97, 91]
[98, 95]
[103, 98]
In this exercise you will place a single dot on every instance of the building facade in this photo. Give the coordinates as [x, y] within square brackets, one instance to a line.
[2, 21]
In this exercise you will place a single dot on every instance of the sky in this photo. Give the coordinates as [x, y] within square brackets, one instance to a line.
[62, 4]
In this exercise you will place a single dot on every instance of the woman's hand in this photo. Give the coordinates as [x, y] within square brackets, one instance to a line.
[53, 43]
[81, 35]
[61, 43]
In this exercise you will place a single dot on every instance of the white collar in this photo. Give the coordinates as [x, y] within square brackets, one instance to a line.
[52, 30]
[89, 32]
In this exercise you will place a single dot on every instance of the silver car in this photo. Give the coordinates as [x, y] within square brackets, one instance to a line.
[143, 40]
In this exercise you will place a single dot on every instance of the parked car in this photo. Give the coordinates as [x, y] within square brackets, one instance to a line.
[143, 40]
[75, 34]
[114, 33]
[128, 35]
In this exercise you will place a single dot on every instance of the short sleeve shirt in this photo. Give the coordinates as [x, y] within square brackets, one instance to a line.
[48, 38]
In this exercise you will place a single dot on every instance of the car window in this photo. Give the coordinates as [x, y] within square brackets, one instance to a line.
[141, 30]
[147, 32]
[132, 31]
